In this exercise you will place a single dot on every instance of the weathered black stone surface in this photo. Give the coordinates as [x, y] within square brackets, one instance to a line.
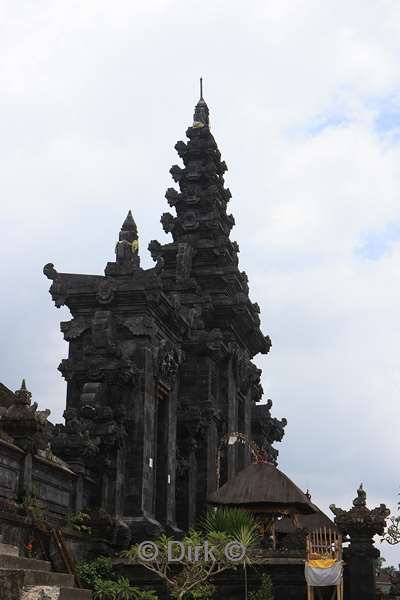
[159, 364]
[11, 583]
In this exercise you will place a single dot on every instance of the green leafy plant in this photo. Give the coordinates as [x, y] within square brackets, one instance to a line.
[241, 526]
[125, 591]
[98, 576]
[201, 592]
[104, 589]
[187, 572]
[91, 571]
[79, 522]
[229, 520]
[186, 578]
[120, 589]
[266, 591]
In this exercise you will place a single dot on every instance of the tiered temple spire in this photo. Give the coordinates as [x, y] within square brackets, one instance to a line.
[202, 201]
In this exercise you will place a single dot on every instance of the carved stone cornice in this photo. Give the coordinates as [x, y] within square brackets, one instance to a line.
[360, 522]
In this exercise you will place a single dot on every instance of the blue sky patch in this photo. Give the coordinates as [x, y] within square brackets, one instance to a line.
[377, 244]
[387, 114]
[327, 122]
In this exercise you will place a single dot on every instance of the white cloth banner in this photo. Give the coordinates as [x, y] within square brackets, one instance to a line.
[317, 577]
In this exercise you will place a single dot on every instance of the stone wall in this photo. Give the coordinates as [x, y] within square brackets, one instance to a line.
[22, 474]
[11, 469]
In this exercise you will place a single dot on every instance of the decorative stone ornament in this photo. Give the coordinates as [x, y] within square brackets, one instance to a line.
[360, 524]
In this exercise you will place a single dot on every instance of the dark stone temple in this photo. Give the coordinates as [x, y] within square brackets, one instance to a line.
[160, 378]
[160, 360]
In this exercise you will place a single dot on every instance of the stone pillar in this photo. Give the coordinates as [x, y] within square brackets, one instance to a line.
[119, 483]
[232, 417]
[26, 483]
[171, 474]
[360, 524]
[79, 488]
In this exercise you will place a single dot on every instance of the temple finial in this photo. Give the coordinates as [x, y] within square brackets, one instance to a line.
[201, 112]
[23, 395]
[129, 224]
[128, 243]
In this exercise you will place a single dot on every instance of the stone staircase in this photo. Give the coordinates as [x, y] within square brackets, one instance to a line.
[31, 579]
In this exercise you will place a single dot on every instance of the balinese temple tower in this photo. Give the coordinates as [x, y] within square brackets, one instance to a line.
[160, 366]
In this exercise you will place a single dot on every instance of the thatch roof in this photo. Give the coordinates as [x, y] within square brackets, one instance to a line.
[262, 487]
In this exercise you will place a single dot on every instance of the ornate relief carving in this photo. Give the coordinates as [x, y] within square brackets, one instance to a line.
[105, 292]
[74, 328]
[183, 261]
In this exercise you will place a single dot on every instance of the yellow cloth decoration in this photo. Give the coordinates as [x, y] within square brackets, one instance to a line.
[321, 563]
[135, 246]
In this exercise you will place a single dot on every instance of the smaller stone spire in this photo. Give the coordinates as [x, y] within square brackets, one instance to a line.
[128, 243]
[126, 249]
[129, 224]
[201, 112]
[23, 395]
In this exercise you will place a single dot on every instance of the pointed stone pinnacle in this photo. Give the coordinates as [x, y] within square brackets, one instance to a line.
[201, 112]
[23, 395]
[129, 223]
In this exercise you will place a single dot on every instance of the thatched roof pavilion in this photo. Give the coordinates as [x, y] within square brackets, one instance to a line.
[263, 488]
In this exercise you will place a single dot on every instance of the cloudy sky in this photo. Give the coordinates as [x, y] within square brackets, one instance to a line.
[305, 106]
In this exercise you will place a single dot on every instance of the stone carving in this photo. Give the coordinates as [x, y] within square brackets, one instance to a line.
[168, 361]
[138, 325]
[73, 442]
[190, 220]
[57, 289]
[105, 293]
[172, 196]
[168, 222]
[360, 518]
[103, 330]
[267, 429]
[91, 397]
[27, 426]
[50, 271]
[74, 328]
[183, 261]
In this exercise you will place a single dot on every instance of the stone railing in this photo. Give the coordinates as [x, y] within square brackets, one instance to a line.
[50, 482]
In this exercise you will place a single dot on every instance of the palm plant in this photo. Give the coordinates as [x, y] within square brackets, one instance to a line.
[239, 525]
